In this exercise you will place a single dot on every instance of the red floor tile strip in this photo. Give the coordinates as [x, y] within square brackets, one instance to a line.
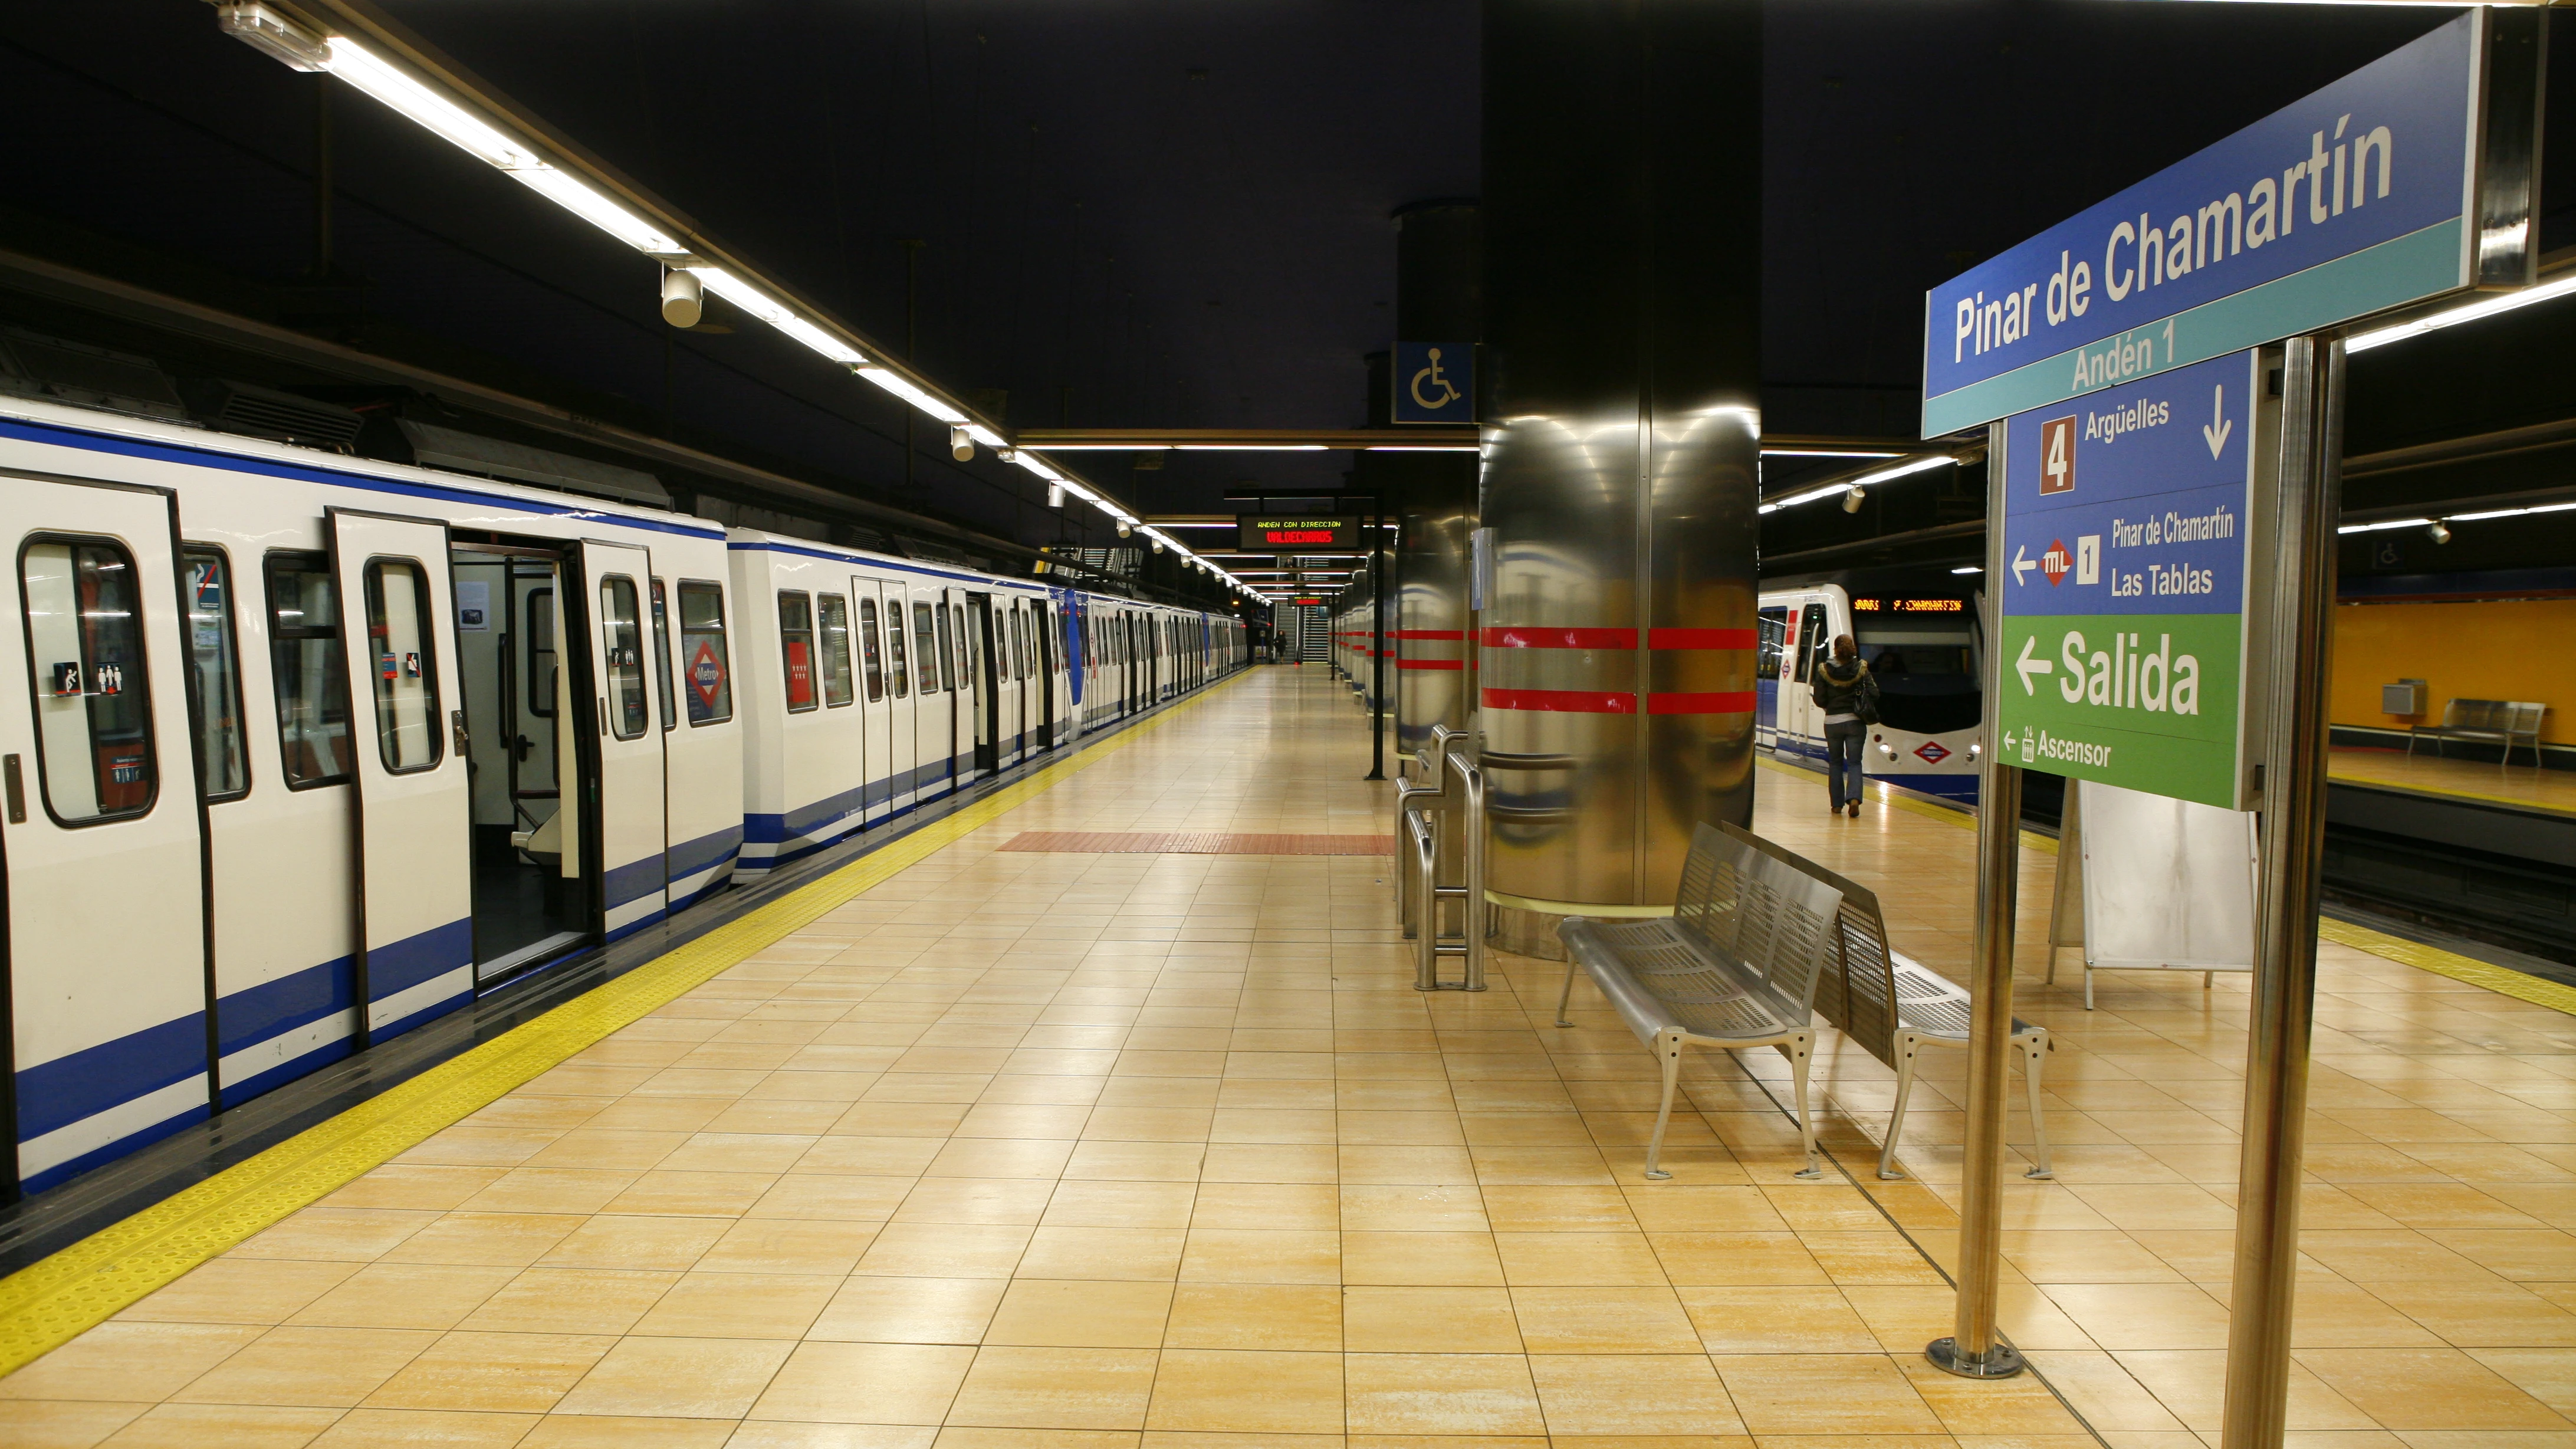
[1196, 842]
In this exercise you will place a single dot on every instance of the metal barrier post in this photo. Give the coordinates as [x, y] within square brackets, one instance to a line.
[1973, 1350]
[1471, 824]
[2285, 929]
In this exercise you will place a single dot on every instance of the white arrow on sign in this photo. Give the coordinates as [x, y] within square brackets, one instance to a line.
[2216, 437]
[2022, 565]
[2029, 666]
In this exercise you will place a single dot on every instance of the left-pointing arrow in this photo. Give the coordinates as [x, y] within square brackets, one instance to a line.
[2028, 666]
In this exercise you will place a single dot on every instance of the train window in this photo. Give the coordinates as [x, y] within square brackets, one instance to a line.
[310, 674]
[403, 672]
[950, 642]
[1775, 637]
[702, 645]
[93, 703]
[835, 611]
[871, 652]
[662, 653]
[214, 672]
[1812, 642]
[965, 647]
[621, 642]
[796, 648]
[925, 647]
[542, 675]
[1020, 641]
[895, 652]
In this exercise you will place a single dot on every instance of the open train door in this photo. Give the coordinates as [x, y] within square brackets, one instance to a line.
[102, 856]
[627, 821]
[415, 818]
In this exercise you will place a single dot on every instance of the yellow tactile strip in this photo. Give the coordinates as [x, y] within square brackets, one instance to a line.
[49, 1303]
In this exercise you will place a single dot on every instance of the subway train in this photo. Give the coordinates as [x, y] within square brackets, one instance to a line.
[317, 748]
[1924, 645]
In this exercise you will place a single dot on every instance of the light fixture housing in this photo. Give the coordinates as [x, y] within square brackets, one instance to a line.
[1055, 495]
[961, 445]
[1853, 500]
[274, 36]
[684, 298]
[2440, 532]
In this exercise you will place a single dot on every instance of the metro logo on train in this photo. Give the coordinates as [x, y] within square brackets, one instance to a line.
[2124, 650]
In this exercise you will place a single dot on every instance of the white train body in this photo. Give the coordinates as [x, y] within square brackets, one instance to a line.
[288, 771]
[1928, 735]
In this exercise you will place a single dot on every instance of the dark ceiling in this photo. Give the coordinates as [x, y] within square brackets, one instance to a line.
[1129, 212]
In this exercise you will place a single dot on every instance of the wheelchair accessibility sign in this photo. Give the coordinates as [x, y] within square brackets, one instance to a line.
[1435, 382]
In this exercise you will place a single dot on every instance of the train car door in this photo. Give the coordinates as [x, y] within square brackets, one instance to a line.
[102, 853]
[934, 688]
[1006, 650]
[415, 957]
[965, 682]
[1046, 663]
[630, 832]
[902, 706]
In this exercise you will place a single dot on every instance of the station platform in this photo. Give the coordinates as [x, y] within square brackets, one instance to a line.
[2523, 786]
[970, 1146]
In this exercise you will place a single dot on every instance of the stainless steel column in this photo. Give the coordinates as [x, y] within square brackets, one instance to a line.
[1622, 376]
[1973, 1350]
[1439, 280]
[2285, 930]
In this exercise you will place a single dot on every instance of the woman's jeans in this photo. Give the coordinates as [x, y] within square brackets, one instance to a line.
[1843, 744]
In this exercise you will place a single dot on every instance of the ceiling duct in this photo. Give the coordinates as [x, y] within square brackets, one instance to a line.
[434, 446]
[34, 365]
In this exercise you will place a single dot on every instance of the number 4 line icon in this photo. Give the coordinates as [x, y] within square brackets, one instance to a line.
[2057, 455]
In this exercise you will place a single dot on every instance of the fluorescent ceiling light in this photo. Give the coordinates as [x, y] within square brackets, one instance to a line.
[743, 294]
[1421, 448]
[1901, 469]
[2385, 523]
[567, 191]
[1249, 447]
[1108, 447]
[2466, 312]
[369, 72]
[2508, 512]
[1970, 569]
[1829, 453]
[820, 341]
[984, 435]
[905, 389]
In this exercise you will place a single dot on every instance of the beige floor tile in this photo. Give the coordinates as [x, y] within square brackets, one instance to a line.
[524, 1373]
[1040, 1313]
[68, 1423]
[866, 1383]
[678, 1378]
[425, 1429]
[1128, 1253]
[1775, 1320]
[1426, 1259]
[316, 1367]
[1247, 1392]
[1255, 1316]
[670, 1244]
[1429, 1320]
[1372, 1207]
[910, 1310]
[1441, 1393]
[1603, 1321]
[739, 1305]
[243, 1290]
[588, 1431]
[1056, 1388]
[1607, 1394]
[196, 1426]
[1820, 1393]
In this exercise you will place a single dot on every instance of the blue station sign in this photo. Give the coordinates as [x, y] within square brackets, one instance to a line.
[1435, 382]
[2356, 199]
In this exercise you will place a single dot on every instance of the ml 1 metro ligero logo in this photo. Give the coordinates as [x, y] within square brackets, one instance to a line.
[2126, 540]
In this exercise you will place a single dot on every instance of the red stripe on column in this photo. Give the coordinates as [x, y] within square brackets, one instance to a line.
[1430, 664]
[1728, 702]
[1700, 639]
[1561, 701]
[1431, 634]
[1519, 637]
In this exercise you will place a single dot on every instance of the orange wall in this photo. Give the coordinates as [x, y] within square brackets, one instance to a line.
[2499, 649]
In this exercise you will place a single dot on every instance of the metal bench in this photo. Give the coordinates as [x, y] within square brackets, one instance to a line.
[1736, 965]
[2505, 722]
[1894, 1006]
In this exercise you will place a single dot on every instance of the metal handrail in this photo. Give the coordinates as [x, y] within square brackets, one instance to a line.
[1426, 835]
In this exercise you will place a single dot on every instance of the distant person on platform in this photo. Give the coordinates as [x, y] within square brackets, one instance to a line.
[1848, 696]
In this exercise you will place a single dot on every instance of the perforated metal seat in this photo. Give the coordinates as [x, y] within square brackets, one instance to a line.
[1735, 966]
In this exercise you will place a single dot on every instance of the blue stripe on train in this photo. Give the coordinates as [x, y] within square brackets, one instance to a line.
[63, 1172]
[87, 1082]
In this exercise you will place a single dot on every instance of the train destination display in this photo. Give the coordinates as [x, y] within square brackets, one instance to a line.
[1280, 533]
[2126, 544]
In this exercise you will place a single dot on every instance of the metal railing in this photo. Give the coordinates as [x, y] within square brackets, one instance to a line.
[1440, 823]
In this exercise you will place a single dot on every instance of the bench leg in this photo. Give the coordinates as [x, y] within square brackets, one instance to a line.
[1566, 994]
[2034, 1051]
[1668, 1046]
[1906, 1043]
[1802, 1051]
[2088, 985]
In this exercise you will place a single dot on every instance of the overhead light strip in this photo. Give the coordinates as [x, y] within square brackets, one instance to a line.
[265, 29]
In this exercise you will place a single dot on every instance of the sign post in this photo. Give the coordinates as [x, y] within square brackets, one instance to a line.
[2112, 343]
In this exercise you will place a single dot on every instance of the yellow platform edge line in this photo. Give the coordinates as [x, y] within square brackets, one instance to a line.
[52, 1301]
[2503, 980]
